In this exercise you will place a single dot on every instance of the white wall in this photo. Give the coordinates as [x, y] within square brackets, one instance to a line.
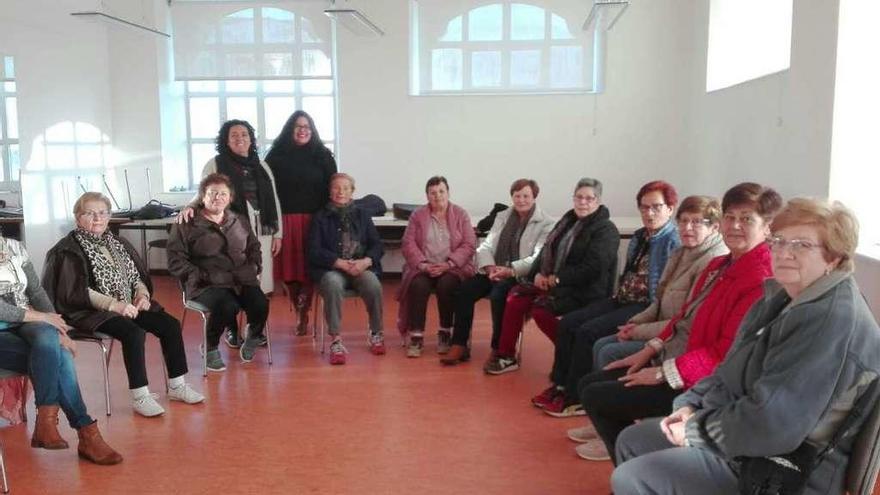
[392, 142]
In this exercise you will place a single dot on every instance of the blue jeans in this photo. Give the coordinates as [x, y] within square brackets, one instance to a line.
[33, 349]
[609, 349]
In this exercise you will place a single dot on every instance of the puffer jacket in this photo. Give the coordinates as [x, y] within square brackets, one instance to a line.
[204, 254]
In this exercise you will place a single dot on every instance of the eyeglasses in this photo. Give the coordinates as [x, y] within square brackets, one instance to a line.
[655, 208]
[796, 246]
[302, 128]
[745, 220]
[693, 223]
[95, 214]
[217, 194]
[586, 199]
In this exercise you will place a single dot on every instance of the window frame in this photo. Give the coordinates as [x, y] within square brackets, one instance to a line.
[421, 60]
[6, 142]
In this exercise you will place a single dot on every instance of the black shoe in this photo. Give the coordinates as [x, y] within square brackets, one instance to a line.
[232, 339]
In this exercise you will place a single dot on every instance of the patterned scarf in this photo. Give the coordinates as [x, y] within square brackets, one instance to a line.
[116, 280]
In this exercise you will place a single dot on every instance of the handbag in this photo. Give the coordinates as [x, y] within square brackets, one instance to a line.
[787, 474]
[153, 210]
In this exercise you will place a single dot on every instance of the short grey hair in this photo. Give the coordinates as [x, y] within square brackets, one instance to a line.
[595, 184]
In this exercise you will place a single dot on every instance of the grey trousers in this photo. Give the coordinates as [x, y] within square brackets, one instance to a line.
[332, 287]
[648, 464]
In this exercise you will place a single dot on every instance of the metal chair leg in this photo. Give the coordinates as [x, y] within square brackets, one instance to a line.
[3, 471]
[268, 341]
[105, 365]
[204, 344]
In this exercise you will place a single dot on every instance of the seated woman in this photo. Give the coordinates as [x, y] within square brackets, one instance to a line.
[438, 250]
[698, 337]
[578, 330]
[217, 258]
[575, 267]
[802, 357]
[34, 342]
[238, 158]
[345, 252]
[100, 284]
[516, 238]
[698, 220]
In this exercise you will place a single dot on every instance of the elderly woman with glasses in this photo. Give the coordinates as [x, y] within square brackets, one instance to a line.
[692, 344]
[803, 356]
[578, 330]
[217, 259]
[575, 267]
[100, 284]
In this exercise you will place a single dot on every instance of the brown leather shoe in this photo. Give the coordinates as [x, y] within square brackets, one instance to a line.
[457, 354]
[46, 434]
[92, 446]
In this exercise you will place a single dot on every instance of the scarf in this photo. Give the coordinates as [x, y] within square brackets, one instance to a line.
[560, 239]
[508, 240]
[349, 247]
[116, 280]
[251, 184]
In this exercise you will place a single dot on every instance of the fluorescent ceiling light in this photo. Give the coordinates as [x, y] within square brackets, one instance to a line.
[355, 21]
[604, 14]
[117, 20]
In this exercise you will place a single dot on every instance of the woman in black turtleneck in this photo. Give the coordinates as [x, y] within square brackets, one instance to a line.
[254, 187]
[302, 166]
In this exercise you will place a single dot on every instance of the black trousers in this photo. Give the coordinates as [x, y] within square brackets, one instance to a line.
[224, 305]
[576, 334]
[612, 407]
[132, 335]
[420, 290]
[469, 292]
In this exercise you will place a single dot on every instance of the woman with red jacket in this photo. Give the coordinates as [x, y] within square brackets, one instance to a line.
[696, 340]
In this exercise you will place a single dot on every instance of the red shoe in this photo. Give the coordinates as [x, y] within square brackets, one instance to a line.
[546, 397]
[337, 352]
[377, 344]
[560, 408]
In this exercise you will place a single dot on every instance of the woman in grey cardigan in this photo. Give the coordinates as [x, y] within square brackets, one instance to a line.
[803, 355]
[507, 253]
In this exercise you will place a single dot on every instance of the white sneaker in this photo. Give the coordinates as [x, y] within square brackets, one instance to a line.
[147, 406]
[185, 393]
[583, 434]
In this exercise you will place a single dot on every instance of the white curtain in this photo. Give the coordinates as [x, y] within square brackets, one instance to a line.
[250, 40]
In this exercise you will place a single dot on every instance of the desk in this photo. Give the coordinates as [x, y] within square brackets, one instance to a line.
[145, 225]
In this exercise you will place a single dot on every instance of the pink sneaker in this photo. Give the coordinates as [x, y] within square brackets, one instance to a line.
[377, 344]
[337, 352]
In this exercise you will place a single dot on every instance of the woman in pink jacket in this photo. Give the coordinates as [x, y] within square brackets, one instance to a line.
[438, 249]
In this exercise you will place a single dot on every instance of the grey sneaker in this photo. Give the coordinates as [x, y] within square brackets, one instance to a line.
[444, 341]
[416, 342]
[147, 406]
[215, 362]
[501, 365]
[249, 348]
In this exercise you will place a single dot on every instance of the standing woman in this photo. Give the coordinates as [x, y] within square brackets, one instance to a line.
[438, 249]
[302, 166]
[237, 159]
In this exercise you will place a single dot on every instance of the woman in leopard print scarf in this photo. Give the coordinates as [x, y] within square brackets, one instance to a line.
[99, 283]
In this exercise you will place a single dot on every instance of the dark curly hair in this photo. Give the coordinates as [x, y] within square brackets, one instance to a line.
[222, 140]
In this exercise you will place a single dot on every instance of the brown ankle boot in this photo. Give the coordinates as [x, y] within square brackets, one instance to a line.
[93, 448]
[457, 354]
[46, 430]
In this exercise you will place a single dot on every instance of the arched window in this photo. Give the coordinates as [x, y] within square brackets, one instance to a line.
[501, 47]
[258, 64]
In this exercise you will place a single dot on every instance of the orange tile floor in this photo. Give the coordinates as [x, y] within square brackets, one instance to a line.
[377, 425]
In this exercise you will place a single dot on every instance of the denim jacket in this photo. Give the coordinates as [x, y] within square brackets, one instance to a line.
[660, 245]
